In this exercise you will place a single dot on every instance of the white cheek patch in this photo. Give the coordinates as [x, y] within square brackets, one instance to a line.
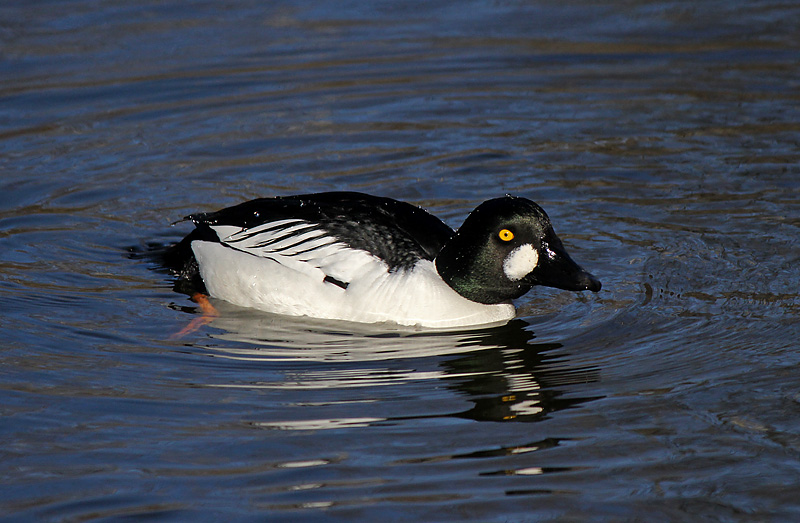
[520, 262]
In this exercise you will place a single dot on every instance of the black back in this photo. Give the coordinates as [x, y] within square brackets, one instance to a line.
[398, 233]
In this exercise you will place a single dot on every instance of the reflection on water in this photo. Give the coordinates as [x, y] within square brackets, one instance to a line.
[519, 382]
[505, 375]
[264, 336]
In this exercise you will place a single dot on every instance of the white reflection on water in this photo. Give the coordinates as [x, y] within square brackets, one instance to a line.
[500, 370]
[319, 424]
[262, 336]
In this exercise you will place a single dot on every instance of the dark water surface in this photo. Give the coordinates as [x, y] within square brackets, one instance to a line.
[661, 137]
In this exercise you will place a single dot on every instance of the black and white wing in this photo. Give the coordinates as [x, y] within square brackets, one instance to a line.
[336, 234]
[301, 246]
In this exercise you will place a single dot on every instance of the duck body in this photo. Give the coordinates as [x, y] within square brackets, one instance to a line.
[357, 257]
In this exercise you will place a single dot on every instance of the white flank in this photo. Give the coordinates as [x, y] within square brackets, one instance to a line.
[290, 284]
[520, 262]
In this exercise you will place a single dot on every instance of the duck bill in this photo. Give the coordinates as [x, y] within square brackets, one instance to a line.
[556, 269]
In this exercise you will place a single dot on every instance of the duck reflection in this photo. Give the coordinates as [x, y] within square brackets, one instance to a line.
[502, 372]
[519, 380]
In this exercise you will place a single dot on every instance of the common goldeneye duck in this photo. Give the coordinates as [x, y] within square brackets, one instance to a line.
[352, 256]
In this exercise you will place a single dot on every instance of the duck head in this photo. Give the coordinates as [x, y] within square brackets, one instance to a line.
[506, 246]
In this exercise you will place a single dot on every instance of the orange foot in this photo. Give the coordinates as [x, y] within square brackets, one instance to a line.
[209, 313]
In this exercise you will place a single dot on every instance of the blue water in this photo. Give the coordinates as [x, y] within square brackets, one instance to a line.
[661, 137]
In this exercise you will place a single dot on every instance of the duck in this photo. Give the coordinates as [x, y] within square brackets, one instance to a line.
[356, 257]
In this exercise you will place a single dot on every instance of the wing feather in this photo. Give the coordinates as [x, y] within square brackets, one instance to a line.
[302, 246]
[398, 233]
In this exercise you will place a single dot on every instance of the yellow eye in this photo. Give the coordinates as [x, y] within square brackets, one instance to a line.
[506, 235]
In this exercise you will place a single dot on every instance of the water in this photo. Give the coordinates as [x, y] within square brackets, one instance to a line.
[661, 137]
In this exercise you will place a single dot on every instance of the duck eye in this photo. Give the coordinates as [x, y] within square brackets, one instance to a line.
[506, 235]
